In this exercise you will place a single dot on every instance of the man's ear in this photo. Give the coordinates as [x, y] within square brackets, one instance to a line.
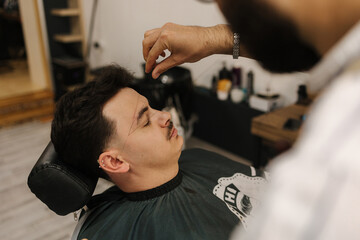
[112, 162]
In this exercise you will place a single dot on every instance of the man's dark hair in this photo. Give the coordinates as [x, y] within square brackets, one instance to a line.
[79, 130]
[269, 36]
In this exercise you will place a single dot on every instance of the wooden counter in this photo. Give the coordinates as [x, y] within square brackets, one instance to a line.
[269, 126]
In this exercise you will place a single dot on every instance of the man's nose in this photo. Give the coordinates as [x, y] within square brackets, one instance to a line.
[164, 119]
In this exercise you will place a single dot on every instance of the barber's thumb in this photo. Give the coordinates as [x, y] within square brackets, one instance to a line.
[155, 75]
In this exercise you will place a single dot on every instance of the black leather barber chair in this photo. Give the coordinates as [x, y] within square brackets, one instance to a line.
[175, 83]
[62, 188]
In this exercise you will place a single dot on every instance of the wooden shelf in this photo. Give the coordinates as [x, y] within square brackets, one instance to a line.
[68, 38]
[65, 12]
[69, 62]
[14, 16]
[36, 105]
[270, 126]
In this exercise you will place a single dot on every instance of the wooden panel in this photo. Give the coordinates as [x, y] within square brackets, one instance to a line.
[79, 4]
[26, 98]
[26, 107]
[16, 81]
[73, 3]
[26, 115]
[65, 12]
[35, 48]
[68, 38]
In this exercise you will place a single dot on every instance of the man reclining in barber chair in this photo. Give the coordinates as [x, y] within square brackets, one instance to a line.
[107, 129]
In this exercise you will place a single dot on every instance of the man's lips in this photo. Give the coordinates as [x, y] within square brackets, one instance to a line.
[174, 132]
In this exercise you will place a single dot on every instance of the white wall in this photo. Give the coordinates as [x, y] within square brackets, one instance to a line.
[120, 26]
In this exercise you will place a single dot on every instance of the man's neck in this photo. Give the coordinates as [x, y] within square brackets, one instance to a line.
[145, 179]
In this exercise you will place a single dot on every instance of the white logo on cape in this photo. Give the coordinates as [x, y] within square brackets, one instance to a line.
[241, 194]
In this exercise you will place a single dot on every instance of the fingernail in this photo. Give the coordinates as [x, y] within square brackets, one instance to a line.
[156, 75]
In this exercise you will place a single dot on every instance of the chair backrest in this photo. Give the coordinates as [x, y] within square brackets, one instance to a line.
[62, 188]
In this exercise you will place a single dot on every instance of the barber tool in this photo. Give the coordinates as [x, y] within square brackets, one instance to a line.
[224, 84]
[265, 103]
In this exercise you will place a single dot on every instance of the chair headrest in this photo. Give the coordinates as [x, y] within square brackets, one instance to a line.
[62, 188]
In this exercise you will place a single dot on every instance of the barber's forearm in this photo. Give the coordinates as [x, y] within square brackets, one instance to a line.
[186, 44]
[220, 39]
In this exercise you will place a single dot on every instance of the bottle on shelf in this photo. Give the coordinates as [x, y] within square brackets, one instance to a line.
[214, 83]
[224, 84]
[237, 75]
[237, 93]
[250, 85]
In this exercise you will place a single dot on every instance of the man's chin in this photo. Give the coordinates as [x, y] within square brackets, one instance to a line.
[180, 138]
[181, 142]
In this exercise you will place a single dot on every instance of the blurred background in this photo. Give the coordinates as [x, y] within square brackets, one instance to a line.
[50, 47]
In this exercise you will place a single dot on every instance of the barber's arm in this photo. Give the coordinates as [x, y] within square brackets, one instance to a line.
[186, 44]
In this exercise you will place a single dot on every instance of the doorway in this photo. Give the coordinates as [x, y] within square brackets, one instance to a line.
[25, 82]
[14, 71]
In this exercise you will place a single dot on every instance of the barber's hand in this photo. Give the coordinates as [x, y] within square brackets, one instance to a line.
[185, 43]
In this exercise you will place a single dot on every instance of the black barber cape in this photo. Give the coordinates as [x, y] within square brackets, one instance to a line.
[209, 196]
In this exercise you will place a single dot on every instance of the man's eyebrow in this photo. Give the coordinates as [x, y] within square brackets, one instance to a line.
[141, 113]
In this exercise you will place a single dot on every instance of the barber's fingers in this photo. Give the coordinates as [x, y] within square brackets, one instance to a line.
[157, 50]
[165, 65]
[147, 45]
[151, 31]
[150, 37]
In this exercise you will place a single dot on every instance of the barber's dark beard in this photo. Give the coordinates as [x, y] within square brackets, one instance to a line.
[269, 37]
[169, 129]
